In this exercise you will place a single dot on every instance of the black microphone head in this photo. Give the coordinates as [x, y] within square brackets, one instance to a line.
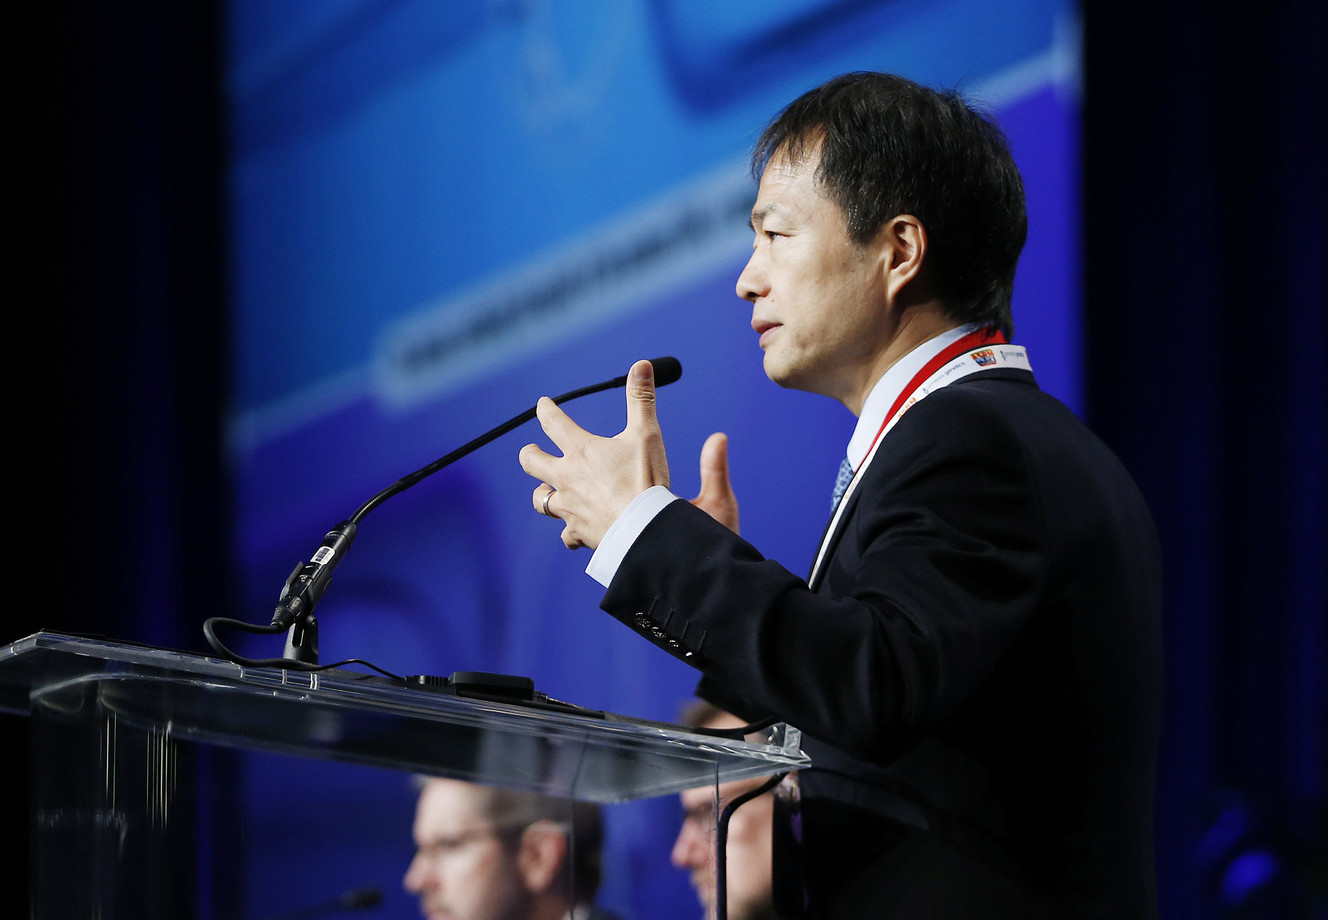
[361, 898]
[667, 370]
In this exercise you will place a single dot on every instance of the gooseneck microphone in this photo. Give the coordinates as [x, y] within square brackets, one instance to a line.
[305, 586]
[667, 370]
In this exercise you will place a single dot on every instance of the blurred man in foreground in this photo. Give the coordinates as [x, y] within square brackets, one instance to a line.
[484, 853]
[749, 838]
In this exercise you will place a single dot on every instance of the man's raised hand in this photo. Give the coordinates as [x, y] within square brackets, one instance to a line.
[596, 478]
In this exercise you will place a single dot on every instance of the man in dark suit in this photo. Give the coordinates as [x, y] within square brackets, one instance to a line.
[974, 660]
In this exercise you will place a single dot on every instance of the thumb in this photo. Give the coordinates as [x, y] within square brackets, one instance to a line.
[715, 466]
[641, 395]
[716, 497]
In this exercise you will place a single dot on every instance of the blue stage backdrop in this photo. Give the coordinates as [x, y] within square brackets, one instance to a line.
[442, 211]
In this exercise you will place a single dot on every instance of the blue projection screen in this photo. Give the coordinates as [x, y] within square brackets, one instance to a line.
[444, 210]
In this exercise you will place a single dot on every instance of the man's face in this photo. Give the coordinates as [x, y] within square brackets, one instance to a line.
[818, 299]
[748, 851]
[461, 869]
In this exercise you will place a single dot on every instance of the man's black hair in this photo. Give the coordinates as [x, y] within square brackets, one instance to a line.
[889, 146]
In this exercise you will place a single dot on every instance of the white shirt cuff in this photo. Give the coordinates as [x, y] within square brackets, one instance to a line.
[620, 537]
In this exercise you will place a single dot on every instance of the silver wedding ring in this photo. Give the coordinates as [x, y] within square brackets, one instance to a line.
[544, 509]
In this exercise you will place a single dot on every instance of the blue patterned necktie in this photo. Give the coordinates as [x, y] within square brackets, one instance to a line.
[841, 482]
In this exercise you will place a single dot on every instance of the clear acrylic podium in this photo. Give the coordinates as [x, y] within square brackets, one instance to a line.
[108, 719]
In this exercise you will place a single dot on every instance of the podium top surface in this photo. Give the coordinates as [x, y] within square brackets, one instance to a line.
[553, 748]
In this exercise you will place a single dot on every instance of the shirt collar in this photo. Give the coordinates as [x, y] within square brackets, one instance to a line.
[891, 384]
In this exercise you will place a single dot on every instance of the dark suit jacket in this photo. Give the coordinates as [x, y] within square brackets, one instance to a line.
[976, 670]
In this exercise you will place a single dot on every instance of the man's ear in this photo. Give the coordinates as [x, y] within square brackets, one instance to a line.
[904, 248]
[542, 856]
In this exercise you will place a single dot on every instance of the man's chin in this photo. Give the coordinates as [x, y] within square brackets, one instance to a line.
[705, 895]
[775, 370]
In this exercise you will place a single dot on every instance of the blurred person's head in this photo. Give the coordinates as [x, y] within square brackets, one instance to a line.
[749, 838]
[484, 853]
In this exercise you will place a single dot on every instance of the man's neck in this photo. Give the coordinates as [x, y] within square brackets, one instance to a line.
[919, 323]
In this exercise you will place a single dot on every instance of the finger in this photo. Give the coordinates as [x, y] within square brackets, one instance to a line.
[641, 396]
[536, 461]
[557, 424]
[541, 498]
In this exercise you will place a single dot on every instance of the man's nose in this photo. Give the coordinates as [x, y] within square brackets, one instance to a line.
[689, 850]
[413, 880]
[752, 281]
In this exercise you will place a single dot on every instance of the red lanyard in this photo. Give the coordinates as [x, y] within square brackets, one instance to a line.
[973, 340]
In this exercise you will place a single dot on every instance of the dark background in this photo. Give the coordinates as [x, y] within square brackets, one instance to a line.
[1206, 307]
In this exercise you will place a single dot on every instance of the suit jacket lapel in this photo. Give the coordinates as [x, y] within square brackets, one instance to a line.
[830, 540]
[816, 575]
